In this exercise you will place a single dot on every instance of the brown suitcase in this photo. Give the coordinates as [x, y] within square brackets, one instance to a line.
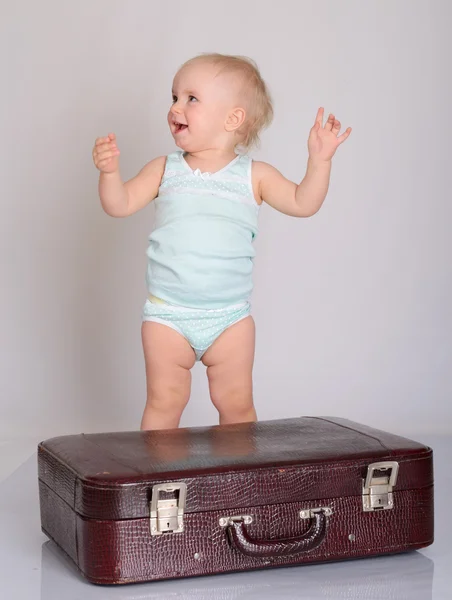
[145, 506]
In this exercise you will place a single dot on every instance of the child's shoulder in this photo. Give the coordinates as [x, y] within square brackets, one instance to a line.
[165, 159]
[163, 165]
[261, 168]
[262, 172]
[156, 166]
[258, 173]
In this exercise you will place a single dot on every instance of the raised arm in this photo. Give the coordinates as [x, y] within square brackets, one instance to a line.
[121, 199]
[306, 198]
[302, 200]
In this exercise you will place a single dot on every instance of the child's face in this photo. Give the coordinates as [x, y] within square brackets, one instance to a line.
[202, 103]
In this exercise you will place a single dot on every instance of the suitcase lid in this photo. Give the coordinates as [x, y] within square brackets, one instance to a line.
[111, 475]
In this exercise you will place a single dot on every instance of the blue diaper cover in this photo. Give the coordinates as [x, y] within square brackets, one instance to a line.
[199, 326]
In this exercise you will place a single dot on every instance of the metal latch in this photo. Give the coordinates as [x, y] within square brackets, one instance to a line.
[167, 515]
[377, 487]
[225, 521]
[309, 513]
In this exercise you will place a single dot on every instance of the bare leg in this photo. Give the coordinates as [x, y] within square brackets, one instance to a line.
[168, 359]
[229, 364]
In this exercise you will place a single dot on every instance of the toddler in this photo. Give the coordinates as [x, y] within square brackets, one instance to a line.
[207, 197]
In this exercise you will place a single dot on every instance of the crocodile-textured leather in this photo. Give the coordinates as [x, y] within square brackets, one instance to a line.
[95, 493]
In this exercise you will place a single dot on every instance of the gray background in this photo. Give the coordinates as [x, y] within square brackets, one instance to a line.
[353, 306]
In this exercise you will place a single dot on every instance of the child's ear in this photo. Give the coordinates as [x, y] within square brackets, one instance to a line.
[235, 119]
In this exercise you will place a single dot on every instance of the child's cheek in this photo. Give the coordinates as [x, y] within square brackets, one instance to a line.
[192, 113]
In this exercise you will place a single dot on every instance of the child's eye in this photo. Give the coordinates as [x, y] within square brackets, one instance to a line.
[192, 98]
[174, 99]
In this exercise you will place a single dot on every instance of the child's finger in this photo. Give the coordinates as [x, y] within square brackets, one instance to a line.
[107, 154]
[336, 127]
[330, 122]
[102, 140]
[319, 116]
[345, 135]
[104, 148]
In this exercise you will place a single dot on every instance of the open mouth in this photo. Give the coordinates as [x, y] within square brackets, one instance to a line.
[179, 127]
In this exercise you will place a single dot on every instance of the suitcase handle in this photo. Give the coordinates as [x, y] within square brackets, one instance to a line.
[241, 540]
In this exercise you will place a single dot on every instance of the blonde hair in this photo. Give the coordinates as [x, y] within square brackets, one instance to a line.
[259, 105]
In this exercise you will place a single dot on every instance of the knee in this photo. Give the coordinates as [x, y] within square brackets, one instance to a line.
[168, 395]
[233, 399]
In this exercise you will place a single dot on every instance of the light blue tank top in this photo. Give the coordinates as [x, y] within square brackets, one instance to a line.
[200, 252]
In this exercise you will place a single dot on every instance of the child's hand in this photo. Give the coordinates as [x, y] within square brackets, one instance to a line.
[323, 141]
[106, 153]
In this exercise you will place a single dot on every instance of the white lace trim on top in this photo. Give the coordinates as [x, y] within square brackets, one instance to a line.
[180, 178]
[234, 196]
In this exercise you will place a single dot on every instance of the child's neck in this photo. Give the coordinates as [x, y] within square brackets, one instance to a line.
[210, 160]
